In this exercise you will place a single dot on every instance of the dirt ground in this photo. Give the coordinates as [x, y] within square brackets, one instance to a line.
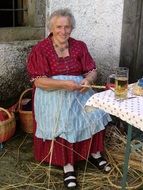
[19, 170]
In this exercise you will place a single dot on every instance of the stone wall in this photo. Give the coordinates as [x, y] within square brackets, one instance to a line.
[13, 75]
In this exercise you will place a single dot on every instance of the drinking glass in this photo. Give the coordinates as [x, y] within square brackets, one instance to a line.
[110, 81]
[121, 82]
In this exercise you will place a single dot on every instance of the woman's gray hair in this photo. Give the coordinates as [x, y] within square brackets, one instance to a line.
[62, 12]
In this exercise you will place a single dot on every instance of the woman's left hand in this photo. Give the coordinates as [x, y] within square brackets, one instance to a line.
[86, 83]
[89, 79]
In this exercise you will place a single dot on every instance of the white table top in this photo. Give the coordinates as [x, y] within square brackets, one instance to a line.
[129, 110]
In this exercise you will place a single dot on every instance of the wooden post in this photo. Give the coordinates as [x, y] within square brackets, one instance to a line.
[132, 39]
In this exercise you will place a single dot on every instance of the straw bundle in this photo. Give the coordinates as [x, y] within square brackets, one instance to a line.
[7, 127]
[115, 149]
[25, 117]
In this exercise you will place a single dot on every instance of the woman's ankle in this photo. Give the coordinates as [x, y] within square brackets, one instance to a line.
[69, 176]
[96, 155]
[68, 168]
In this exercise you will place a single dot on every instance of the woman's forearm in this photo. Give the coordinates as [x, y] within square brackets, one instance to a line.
[91, 76]
[55, 84]
[49, 84]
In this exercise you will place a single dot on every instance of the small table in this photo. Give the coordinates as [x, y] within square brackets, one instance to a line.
[129, 110]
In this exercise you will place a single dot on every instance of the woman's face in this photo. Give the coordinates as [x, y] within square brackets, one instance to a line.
[61, 29]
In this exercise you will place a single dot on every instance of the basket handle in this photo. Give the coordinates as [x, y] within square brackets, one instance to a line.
[21, 96]
[8, 113]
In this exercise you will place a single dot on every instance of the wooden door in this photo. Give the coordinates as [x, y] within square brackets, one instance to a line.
[132, 39]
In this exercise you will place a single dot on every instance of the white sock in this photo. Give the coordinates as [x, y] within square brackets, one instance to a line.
[96, 155]
[69, 168]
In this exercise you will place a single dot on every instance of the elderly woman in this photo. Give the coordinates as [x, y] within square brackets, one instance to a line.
[61, 67]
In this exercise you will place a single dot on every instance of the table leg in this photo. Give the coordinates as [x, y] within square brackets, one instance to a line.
[1, 146]
[127, 154]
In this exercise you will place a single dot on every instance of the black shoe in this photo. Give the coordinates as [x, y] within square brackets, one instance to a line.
[68, 181]
[105, 167]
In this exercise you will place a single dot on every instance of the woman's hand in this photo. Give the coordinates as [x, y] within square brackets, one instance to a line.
[72, 85]
[86, 83]
[89, 79]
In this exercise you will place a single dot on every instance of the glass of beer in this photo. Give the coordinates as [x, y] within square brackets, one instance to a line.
[121, 82]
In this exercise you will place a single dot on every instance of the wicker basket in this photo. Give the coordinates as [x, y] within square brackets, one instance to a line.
[25, 117]
[7, 127]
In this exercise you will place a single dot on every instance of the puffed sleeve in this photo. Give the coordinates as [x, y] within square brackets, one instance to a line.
[88, 63]
[37, 64]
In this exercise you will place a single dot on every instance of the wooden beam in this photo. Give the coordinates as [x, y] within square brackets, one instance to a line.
[132, 39]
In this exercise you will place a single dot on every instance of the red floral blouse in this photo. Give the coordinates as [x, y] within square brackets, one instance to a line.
[44, 61]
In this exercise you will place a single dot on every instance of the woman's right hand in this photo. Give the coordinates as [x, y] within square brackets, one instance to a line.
[72, 85]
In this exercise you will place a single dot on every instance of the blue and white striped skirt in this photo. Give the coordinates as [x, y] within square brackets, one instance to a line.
[60, 113]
